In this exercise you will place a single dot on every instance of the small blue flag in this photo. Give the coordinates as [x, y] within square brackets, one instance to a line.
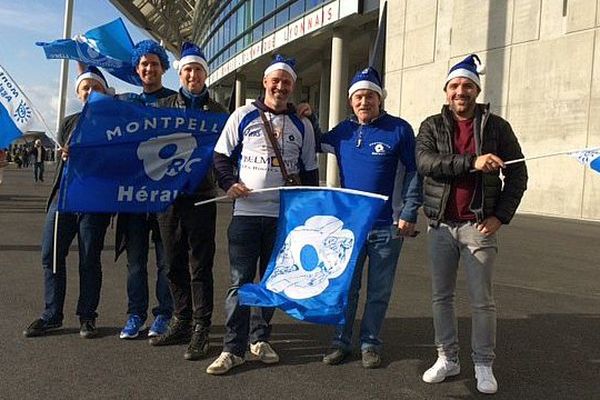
[16, 111]
[589, 157]
[108, 46]
[320, 234]
[127, 157]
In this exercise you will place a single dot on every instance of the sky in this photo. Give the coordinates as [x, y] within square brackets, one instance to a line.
[24, 22]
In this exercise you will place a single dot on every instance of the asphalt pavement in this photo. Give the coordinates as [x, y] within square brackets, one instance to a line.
[547, 285]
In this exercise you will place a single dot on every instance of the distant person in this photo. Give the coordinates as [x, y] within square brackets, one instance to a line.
[460, 153]
[253, 228]
[134, 231]
[89, 228]
[38, 154]
[188, 230]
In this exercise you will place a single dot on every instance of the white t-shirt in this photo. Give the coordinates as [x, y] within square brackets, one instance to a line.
[244, 139]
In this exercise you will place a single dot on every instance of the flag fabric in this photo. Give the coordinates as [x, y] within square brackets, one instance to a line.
[127, 157]
[320, 234]
[590, 157]
[108, 46]
[16, 111]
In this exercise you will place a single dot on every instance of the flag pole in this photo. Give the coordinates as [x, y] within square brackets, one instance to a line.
[54, 246]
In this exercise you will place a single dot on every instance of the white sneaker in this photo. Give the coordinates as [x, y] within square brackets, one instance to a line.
[486, 382]
[264, 352]
[442, 369]
[224, 363]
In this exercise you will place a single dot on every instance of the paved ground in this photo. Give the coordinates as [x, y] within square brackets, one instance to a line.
[547, 287]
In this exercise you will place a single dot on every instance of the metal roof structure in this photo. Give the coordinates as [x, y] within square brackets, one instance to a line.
[169, 21]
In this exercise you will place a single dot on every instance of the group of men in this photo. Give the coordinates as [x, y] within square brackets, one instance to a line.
[451, 168]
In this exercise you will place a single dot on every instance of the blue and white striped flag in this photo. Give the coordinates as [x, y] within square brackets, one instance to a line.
[590, 157]
[108, 46]
[320, 234]
[17, 114]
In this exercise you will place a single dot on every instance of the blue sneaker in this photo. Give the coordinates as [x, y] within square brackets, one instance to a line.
[132, 328]
[159, 326]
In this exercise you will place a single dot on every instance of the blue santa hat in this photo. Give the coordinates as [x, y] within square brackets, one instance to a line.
[94, 73]
[471, 67]
[148, 46]
[190, 53]
[282, 63]
[368, 78]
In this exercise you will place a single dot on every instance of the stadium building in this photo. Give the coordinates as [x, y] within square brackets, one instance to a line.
[542, 56]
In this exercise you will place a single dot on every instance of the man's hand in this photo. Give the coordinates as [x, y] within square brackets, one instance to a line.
[304, 110]
[238, 190]
[488, 163]
[406, 229]
[64, 152]
[489, 226]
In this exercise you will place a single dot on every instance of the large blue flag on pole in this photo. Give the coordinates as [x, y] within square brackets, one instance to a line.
[108, 46]
[127, 157]
[17, 114]
[320, 234]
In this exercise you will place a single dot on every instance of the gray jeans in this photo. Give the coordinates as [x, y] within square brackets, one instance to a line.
[448, 243]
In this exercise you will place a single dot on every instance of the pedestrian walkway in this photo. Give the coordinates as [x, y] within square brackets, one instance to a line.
[547, 288]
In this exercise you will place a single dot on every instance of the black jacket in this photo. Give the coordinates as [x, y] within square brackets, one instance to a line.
[439, 166]
[65, 131]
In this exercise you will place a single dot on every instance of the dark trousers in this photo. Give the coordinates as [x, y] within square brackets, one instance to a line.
[90, 230]
[251, 241]
[38, 171]
[188, 234]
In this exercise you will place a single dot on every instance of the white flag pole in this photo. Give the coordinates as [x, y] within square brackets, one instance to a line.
[273, 189]
[54, 246]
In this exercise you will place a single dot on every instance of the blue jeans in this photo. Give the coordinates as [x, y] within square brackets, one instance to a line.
[251, 241]
[383, 249]
[138, 231]
[38, 171]
[90, 230]
[448, 243]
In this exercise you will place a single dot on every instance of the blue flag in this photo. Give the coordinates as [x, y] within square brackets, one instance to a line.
[16, 112]
[127, 157]
[108, 46]
[589, 157]
[320, 234]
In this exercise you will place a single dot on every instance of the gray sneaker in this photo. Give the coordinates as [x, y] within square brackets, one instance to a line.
[335, 356]
[224, 363]
[264, 352]
[370, 358]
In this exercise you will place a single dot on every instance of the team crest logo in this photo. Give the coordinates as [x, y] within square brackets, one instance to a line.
[379, 149]
[167, 155]
[312, 254]
[22, 113]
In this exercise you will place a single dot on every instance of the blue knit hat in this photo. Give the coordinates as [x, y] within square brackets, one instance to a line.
[93, 73]
[471, 67]
[149, 47]
[285, 64]
[368, 78]
[190, 53]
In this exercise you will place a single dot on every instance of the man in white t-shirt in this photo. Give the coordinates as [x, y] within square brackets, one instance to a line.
[244, 146]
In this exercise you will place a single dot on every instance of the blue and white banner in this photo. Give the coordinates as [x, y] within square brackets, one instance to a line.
[16, 111]
[320, 234]
[589, 157]
[127, 157]
[108, 46]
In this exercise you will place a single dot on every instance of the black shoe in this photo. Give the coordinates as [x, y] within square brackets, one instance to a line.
[199, 343]
[335, 356]
[39, 327]
[371, 359]
[88, 329]
[178, 332]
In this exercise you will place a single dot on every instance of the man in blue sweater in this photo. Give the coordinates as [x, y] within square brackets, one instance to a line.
[375, 153]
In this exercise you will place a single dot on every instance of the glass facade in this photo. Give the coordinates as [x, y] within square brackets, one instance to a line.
[240, 23]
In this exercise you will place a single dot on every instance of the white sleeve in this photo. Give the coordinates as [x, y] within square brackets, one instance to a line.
[229, 138]
[309, 153]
